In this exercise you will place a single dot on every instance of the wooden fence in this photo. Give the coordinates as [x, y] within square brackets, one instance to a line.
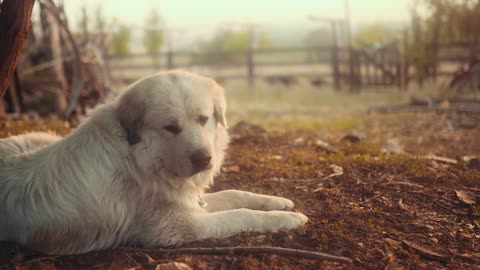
[341, 67]
[282, 64]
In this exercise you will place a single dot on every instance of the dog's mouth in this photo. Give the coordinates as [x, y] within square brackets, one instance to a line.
[175, 174]
[207, 168]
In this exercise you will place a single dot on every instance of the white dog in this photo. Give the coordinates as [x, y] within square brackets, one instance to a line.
[133, 173]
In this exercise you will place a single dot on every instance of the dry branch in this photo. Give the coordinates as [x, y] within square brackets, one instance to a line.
[247, 250]
[60, 78]
[426, 252]
[14, 26]
[78, 79]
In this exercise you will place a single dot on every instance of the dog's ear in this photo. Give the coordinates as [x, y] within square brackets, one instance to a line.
[219, 104]
[131, 113]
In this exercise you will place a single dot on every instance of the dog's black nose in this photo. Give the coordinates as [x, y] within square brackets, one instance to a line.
[200, 160]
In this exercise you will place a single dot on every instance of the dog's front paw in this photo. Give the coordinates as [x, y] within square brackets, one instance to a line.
[278, 203]
[296, 220]
[286, 220]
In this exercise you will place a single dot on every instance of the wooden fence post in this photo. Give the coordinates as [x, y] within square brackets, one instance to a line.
[14, 25]
[335, 68]
[250, 68]
[405, 60]
[170, 64]
[420, 65]
[250, 60]
[156, 61]
[398, 65]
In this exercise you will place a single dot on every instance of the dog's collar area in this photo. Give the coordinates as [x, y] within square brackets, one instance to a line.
[202, 203]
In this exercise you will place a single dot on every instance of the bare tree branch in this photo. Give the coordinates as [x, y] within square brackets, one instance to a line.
[78, 79]
[14, 25]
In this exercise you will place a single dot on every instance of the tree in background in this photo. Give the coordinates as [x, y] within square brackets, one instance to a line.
[83, 23]
[153, 37]
[454, 20]
[321, 37]
[447, 21]
[230, 40]
[375, 34]
[120, 40]
[100, 21]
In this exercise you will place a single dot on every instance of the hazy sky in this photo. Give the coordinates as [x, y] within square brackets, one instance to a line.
[207, 14]
[198, 19]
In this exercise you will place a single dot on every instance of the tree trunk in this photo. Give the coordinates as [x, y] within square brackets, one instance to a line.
[14, 26]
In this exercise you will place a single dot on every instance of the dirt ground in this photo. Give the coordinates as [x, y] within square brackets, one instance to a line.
[386, 198]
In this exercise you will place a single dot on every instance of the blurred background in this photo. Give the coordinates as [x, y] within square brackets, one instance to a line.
[280, 62]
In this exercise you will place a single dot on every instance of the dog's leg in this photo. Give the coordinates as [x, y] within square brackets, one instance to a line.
[234, 199]
[227, 223]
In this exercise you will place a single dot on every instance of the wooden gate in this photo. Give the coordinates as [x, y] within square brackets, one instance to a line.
[375, 66]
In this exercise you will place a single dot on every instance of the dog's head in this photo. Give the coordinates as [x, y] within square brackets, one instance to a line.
[174, 123]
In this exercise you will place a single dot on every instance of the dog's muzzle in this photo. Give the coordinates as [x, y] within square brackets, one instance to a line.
[201, 160]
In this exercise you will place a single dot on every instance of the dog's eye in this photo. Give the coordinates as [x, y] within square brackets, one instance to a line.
[202, 120]
[173, 129]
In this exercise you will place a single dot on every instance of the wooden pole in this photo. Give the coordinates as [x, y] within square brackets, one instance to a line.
[250, 61]
[398, 65]
[335, 68]
[405, 59]
[348, 35]
[433, 50]
[14, 25]
[85, 23]
[170, 64]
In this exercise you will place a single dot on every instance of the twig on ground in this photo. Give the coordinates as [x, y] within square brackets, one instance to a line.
[455, 212]
[97, 266]
[440, 159]
[426, 252]
[405, 183]
[372, 198]
[419, 192]
[247, 250]
[39, 259]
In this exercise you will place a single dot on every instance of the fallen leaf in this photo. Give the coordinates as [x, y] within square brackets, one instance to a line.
[445, 104]
[231, 169]
[173, 266]
[299, 141]
[401, 205]
[324, 146]
[465, 196]
[337, 170]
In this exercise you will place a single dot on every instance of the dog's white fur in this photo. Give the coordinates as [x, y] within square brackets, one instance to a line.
[123, 178]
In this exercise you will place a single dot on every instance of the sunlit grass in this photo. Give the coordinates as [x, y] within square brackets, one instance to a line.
[303, 107]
